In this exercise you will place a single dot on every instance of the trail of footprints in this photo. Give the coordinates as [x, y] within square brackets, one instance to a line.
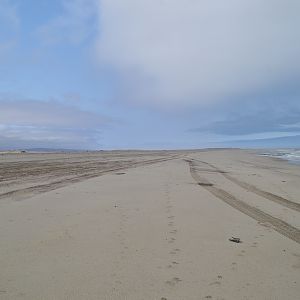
[174, 252]
[123, 247]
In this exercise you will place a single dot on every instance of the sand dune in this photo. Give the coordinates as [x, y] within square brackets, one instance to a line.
[149, 225]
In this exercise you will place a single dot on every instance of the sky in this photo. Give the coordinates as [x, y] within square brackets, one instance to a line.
[149, 74]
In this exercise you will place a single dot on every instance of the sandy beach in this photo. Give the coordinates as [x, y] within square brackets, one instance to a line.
[151, 225]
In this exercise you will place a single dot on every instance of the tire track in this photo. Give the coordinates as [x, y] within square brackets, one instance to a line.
[278, 225]
[251, 188]
[28, 192]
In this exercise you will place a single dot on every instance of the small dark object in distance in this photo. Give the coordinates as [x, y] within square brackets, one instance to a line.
[120, 173]
[235, 240]
[205, 184]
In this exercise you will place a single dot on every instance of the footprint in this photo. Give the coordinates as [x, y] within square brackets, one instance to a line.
[174, 251]
[173, 281]
[172, 240]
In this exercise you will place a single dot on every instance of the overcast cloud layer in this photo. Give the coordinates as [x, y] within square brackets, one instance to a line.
[188, 51]
[167, 73]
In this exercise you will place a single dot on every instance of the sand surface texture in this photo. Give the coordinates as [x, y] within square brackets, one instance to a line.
[149, 225]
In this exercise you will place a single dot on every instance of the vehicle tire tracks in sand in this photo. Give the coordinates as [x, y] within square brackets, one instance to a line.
[278, 225]
[23, 193]
[251, 188]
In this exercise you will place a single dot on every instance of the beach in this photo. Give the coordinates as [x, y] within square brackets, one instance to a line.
[149, 225]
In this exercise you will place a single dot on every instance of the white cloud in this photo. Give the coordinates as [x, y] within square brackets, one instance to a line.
[38, 113]
[197, 51]
[31, 123]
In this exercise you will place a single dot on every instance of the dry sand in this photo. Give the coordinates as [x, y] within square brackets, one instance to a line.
[149, 225]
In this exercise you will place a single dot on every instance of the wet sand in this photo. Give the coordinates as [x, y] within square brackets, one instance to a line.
[149, 225]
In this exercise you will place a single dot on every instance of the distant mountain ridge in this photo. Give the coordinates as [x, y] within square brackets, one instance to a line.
[52, 150]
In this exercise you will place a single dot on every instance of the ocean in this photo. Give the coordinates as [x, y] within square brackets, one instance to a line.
[291, 155]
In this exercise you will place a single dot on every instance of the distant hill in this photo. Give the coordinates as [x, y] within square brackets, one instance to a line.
[52, 150]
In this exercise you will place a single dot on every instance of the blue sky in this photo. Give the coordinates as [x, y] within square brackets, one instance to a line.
[107, 74]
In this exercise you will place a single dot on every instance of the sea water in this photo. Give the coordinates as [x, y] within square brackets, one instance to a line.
[292, 155]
